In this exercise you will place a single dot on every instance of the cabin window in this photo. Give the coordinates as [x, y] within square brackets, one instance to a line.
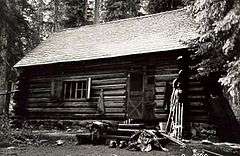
[76, 89]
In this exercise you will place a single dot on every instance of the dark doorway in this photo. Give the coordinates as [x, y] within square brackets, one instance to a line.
[136, 95]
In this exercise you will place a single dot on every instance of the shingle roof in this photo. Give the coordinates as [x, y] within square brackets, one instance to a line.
[151, 33]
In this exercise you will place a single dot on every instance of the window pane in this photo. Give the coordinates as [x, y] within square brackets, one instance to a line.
[73, 89]
[79, 94]
[84, 85]
[84, 95]
[67, 90]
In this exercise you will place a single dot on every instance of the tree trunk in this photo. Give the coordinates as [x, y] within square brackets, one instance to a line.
[3, 52]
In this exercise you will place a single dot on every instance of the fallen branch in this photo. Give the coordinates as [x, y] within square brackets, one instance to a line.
[173, 139]
[210, 152]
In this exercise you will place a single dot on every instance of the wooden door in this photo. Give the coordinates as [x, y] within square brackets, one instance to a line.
[135, 107]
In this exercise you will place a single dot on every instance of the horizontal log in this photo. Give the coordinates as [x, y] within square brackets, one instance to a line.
[194, 89]
[136, 126]
[110, 92]
[114, 98]
[167, 77]
[114, 115]
[114, 110]
[80, 104]
[109, 98]
[195, 97]
[40, 85]
[160, 97]
[39, 100]
[166, 71]
[63, 110]
[197, 111]
[110, 87]
[109, 81]
[114, 92]
[75, 116]
[159, 103]
[193, 103]
[64, 105]
[159, 111]
[114, 104]
[162, 117]
[198, 118]
[57, 116]
[79, 76]
[160, 89]
[160, 84]
[40, 95]
[193, 83]
[40, 90]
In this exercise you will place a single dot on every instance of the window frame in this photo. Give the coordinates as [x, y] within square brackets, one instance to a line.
[77, 81]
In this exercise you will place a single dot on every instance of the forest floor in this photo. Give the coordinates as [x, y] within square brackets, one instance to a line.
[84, 150]
[46, 144]
[69, 148]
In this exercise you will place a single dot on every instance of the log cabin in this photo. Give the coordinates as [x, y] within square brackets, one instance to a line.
[117, 70]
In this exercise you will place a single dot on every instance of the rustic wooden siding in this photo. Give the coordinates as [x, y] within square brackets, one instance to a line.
[197, 102]
[111, 76]
[196, 99]
[43, 105]
[165, 73]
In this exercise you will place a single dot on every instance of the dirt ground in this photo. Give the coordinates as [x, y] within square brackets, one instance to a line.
[85, 150]
[70, 149]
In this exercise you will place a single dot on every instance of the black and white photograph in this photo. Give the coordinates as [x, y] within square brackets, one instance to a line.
[119, 77]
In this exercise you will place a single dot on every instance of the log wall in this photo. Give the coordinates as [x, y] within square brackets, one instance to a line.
[44, 94]
[44, 104]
